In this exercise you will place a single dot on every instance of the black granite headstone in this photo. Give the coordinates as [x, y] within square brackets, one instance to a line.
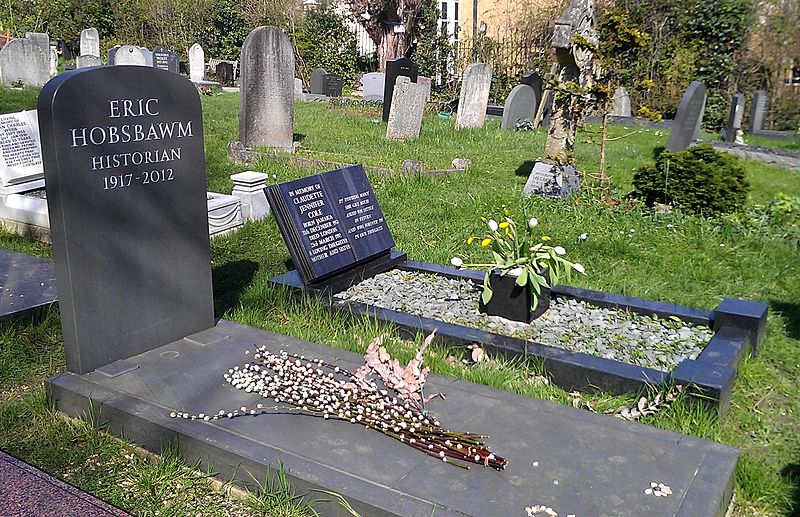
[224, 73]
[395, 67]
[125, 178]
[331, 222]
[332, 85]
[689, 118]
[317, 77]
[534, 80]
[166, 59]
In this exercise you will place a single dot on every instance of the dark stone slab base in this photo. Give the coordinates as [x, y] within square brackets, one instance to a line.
[27, 286]
[739, 326]
[588, 464]
[27, 491]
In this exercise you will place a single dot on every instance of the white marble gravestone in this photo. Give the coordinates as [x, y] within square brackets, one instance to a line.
[197, 63]
[130, 55]
[373, 85]
[20, 153]
[621, 106]
[90, 42]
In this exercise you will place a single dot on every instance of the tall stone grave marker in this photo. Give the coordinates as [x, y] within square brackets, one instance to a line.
[266, 102]
[197, 63]
[733, 128]
[475, 87]
[126, 192]
[394, 68]
[520, 104]
[130, 55]
[165, 59]
[90, 42]
[20, 153]
[408, 106]
[758, 112]
[317, 78]
[688, 119]
[622, 103]
[26, 60]
[373, 85]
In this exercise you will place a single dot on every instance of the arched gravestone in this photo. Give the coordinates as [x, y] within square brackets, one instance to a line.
[534, 80]
[521, 103]
[90, 42]
[26, 60]
[475, 87]
[130, 55]
[688, 119]
[197, 63]
[621, 106]
[395, 67]
[266, 102]
[126, 193]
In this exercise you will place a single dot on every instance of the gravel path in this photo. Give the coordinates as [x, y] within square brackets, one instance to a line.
[569, 324]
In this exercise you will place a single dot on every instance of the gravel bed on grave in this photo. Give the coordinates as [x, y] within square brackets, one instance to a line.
[569, 324]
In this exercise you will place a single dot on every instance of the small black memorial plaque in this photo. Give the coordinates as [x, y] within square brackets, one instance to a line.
[331, 222]
[126, 191]
[165, 59]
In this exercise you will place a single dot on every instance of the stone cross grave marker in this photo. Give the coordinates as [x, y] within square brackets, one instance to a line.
[475, 88]
[317, 77]
[130, 55]
[688, 119]
[126, 192]
[197, 63]
[166, 59]
[20, 153]
[26, 60]
[330, 222]
[266, 102]
[733, 128]
[373, 86]
[408, 106]
[394, 68]
[520, 104]
[90, 42]
[758, 111]
[622, 103]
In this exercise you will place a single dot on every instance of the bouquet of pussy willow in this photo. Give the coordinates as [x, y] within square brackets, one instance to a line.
[394, 408]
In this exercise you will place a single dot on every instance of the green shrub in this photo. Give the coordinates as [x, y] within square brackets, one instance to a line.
[699, 180]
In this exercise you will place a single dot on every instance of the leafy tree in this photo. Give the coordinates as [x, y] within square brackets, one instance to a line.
[392, 25]
[338, 54]
[431, 50]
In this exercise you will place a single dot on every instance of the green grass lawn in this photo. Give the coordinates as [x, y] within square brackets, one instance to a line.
[630, 250]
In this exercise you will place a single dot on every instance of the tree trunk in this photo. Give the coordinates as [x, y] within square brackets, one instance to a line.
[392, 46]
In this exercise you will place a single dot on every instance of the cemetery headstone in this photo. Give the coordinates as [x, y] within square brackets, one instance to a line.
[520, 104]
[130, 55]
[551, 181]
[63, 50]
[372, 85]
[111, 55]
[166, 59]
[266, 102]
[689, 118]
[332, 85]
[758, 112]
[394, 68]
[53, 61]
[26, 60]
[317, 77]
[20, 153]
[90, 42]
[475, 87]
[534, 80]
[622, 103]
[330, 222]
[734, 126]
[197, 63]
[224, 73]
[426, 84]
[298, 89]
[408, 107]
[128, 211]
[87, 61]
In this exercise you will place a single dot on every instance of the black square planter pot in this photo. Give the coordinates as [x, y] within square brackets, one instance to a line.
[513, 302]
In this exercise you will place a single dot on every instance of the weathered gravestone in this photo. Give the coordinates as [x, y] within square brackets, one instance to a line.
[298, 89]
[266, 102]
[111, 55]
[197, 63]
[733, 128]
[90, 42]
[317, 77]
[552, 180]
[621, 106]
[373, 85]
[688, 119]
[20, 153]
[426, 83]
[53, 61]
[331, 222]
[130, 55]
[534, 80]
[520, 105]
[332, 85]
[26, 60]
[408, 106]
[475, 87]
[758, 111]
[166, 59]
[87, 61]
[125, 179]
[395, 68]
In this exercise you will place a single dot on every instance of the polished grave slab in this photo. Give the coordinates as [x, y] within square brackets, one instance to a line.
[27, 285]
[588, 464]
